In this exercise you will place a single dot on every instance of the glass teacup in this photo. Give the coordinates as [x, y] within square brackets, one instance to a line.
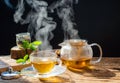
[44, 61]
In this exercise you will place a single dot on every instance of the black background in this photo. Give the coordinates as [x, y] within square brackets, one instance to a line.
[97, 21]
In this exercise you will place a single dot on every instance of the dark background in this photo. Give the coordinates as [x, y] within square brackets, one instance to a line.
[97, 21]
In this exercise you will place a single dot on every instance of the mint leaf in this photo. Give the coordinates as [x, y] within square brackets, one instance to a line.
[32, 46]
[26, 57]
[20, 61]
[37, 43]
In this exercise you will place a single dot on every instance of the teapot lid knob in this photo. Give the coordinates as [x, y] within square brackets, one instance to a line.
[10, 74]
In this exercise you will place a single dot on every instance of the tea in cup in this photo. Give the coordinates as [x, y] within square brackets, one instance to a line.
[44, 61]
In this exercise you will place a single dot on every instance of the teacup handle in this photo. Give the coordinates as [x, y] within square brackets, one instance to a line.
[59, 62]
[100, 49]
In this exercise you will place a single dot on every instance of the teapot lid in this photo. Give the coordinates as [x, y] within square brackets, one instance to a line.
[10, 74]
[74, 42]
[78, 42]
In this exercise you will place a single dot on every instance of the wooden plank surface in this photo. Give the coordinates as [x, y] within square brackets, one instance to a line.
[107, 71]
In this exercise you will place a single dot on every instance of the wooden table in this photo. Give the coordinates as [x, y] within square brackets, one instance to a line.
[107, 71]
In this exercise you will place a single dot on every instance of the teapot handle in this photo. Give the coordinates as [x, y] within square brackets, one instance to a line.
[100, 49]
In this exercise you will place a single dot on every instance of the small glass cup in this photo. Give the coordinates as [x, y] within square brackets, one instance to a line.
[20, 37]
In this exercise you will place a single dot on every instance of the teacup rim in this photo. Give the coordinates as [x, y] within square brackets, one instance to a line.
[44, 51]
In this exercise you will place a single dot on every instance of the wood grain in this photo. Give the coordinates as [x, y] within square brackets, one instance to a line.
[107, 71]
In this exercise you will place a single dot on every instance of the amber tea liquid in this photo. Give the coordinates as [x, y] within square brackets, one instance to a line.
[77, 64]
[43, 67]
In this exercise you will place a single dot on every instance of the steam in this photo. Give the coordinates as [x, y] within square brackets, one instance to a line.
[65, 12]
[18, 14]
[40, 25]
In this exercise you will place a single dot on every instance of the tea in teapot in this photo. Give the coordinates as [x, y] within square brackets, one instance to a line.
[77, 53]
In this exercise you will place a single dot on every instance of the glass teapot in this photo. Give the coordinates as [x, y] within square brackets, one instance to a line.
[77, 53]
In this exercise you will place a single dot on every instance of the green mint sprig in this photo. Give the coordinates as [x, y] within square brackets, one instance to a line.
[26, 45]
[23, 61]
[33, 46]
